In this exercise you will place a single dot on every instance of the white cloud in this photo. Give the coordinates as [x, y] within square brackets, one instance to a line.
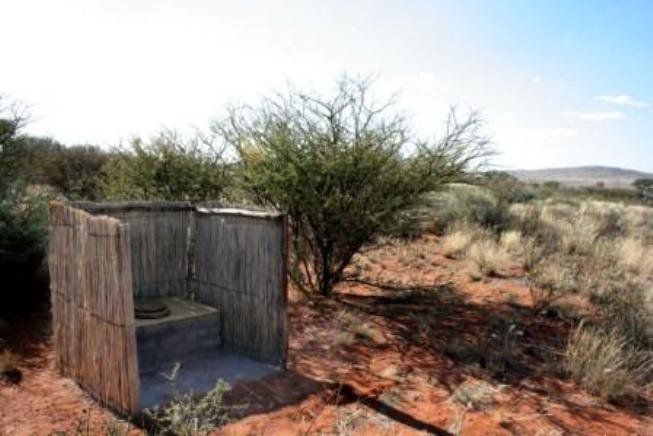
[595, 116]
[623, 100]
[536, 79]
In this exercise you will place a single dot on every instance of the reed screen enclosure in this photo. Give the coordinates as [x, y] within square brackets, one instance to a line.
[103, 257]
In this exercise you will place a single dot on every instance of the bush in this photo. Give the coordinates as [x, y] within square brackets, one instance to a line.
[189, 415]
[507, 188]
[23, 238]
[343, 168]
[550, 280]
[461, 203]
[75, 171]
[23, 225]
[165, 169]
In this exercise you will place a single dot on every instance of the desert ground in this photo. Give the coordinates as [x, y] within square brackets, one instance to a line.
[413, 343]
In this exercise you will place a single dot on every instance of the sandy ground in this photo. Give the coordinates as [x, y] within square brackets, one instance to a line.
[432, 353]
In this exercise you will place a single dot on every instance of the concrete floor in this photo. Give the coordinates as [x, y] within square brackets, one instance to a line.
[199, 374]
[190, 335]
[190, 329]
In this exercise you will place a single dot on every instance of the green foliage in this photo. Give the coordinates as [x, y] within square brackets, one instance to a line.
[343, 168]
[191, 415]
[74, 171]
[165, 169]
[461, 203]
[506, 187]
[644, 189]
[11, 150]
[23, 224]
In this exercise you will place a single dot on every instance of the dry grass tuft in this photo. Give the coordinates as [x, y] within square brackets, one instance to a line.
[606, 363]
[511, 241]
[476, 395]
[454, 244]
[635, 256]
[487, 258]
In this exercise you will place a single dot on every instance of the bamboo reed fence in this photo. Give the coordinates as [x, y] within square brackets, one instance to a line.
[241, 269]
[231, 259]
[159, 233]
[92, 305]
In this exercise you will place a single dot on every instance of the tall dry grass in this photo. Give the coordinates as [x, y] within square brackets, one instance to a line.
[606, 363]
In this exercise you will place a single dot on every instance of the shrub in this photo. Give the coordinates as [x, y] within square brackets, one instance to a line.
[550, 280]
[166, 168]
[606, 363]
[460, 203]
[23, 224]
[189, 415]
[75, 171]
[343, 168]
[644, 188]
[23, 237]
[507, 188]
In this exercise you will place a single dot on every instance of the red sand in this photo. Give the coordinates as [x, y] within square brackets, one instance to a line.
[373, 363]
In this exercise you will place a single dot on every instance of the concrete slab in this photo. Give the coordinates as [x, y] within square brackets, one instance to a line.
[180, 309]
[191, 328]
[198, 375]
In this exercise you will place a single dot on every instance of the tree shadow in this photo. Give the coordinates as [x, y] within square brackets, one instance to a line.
[288, 388]
[502, 343]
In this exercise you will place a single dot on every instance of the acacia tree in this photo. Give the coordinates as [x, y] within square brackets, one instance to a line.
[166, 168]
[343, 167]
[23, 217]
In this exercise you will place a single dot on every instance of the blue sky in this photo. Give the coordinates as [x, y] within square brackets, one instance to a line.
[559, 83]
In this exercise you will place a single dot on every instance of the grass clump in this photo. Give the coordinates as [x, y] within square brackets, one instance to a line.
[476, 395]
[606, 363]
[487, 258]
[512, 242]
[456, 242]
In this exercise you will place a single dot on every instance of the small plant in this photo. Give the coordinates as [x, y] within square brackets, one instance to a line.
[548, 282]
[191, 415]
[475, 395]
[606, 363]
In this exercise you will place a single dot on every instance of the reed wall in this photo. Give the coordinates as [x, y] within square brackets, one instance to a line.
[92, 305]
[159, 244]
[241, 269]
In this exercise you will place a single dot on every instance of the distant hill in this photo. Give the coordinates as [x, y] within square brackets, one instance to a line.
[583, 176]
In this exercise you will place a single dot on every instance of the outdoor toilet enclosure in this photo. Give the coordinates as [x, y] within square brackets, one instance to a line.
[218, 275]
